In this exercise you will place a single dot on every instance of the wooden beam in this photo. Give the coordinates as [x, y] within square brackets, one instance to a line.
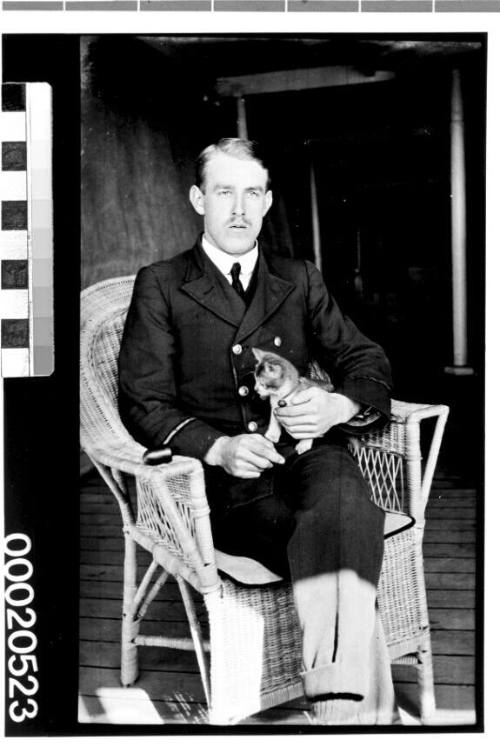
[300, 79]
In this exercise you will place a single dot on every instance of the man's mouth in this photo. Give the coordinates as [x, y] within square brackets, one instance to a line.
[238, 227]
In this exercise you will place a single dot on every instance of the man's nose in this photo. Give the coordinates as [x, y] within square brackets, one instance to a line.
[239, 204]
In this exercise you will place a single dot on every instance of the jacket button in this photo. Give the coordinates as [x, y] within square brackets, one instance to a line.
[277, 341]
[252, 426]
[243, 391]
[237, 349]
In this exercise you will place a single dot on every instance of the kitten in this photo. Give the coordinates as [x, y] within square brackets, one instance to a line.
[278, 379]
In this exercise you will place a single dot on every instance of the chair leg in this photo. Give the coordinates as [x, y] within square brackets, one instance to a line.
[425, 680]
[194, 626]
[130, 626]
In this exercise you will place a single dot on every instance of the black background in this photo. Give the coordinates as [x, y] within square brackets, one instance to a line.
[41, 414]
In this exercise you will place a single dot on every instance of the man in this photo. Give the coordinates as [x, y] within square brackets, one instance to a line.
[186, 380]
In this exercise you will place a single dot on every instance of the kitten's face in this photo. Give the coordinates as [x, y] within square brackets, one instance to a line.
[274, 375]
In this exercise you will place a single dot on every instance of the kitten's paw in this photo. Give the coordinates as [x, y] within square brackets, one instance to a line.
[303, 446]
[273, 436]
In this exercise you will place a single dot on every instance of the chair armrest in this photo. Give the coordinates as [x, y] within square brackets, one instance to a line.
[400, 441]
[419, 485]
[173, 516]
[128, 457]
[416, 412]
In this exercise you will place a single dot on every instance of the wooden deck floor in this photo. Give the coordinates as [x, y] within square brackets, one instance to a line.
[169, 689]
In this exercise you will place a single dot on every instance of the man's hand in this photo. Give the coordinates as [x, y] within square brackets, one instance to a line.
[245, 455]
[312, 412]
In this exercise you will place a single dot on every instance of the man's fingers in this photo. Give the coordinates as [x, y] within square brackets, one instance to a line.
[242, 473]
[300, 427]
[304, 396]
[254, 460]
[244, 467]
[308, 419]
[247, 455]
[269, 454]
[264, 449]
[302, 432]
[290, 423]
[293, 411]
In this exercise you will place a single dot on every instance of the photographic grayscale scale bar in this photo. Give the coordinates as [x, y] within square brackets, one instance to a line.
[259, 6]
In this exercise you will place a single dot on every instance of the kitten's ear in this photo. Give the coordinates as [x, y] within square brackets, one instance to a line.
[259, 354]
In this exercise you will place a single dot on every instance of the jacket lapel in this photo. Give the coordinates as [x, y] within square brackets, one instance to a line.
[269, 294]
[207, 286]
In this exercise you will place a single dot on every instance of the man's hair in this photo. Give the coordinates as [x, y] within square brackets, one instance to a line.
[240, 148]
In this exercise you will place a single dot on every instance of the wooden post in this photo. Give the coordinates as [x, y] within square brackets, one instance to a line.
[458, 232]
[242, 119]
[315, 216]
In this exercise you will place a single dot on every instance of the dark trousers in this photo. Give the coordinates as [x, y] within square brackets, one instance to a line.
[312, 520]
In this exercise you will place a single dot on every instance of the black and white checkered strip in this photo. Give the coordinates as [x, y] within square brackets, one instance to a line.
[26, 233]
[14, 304]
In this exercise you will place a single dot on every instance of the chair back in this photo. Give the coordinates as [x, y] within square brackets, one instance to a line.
[104, 307]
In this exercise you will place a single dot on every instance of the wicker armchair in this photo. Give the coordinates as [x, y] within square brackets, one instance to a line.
[254, 645]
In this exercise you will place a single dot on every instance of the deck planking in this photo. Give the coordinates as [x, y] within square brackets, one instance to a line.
[169, 689]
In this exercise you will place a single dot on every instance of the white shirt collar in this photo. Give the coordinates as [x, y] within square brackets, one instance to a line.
[224, 261]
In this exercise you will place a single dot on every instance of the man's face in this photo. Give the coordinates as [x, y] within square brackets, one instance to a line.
[233, 203]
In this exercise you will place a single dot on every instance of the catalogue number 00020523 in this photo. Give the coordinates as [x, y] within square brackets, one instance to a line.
[20, 618]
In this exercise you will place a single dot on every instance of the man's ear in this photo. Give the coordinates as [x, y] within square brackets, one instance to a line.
[268, 200]
[259, 354]
[197, 199]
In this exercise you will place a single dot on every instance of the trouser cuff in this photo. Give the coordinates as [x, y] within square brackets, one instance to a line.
[338, 711]
[333, 678]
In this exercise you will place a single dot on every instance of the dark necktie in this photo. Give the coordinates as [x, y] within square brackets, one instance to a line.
[236, 282]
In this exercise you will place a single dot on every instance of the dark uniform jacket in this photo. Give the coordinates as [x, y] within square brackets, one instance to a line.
[186, 363]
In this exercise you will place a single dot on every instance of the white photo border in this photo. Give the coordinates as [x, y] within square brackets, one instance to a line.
[202, 23]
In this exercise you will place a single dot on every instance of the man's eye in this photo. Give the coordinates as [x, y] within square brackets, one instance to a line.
[224, 192]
